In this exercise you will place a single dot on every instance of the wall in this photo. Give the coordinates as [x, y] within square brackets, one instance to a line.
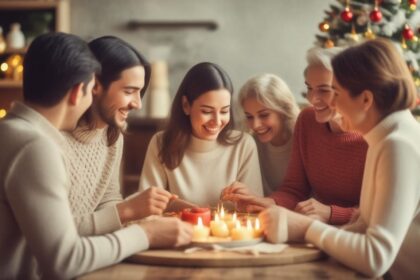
[254, 36]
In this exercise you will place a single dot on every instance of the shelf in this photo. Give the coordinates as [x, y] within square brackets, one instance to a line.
[7, 83]
[27, 4]
[60, 8]
[14, 51]
[205, 24]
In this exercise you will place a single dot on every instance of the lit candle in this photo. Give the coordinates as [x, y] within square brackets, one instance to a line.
[218, 227]
[258, 232]
[241, 233]
[223, 215]
[232, 222]
[200, 232]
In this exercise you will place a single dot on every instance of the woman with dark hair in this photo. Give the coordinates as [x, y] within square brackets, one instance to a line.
[374, 91]
[96, 144]
[199, 153]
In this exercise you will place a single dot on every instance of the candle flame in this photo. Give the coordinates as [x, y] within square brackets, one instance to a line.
[248, 225]
[222, 212]
[234, 217]
[216, 218]
[257, 224]
[200, 222]
[238, 225]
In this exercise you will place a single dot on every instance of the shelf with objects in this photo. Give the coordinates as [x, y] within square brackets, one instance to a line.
[20, 22]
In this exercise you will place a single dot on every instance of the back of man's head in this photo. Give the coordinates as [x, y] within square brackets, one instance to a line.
[54, 63]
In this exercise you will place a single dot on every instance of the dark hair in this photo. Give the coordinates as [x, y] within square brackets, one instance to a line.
[376, 65]
[201, 78]
[54, 63]
[115, 56]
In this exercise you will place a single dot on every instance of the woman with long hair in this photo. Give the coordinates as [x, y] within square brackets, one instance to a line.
[199, 153]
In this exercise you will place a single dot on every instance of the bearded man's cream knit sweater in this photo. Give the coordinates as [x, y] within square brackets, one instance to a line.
[94, 191]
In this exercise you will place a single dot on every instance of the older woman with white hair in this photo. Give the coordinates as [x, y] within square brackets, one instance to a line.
[374, 92]
[324, 175]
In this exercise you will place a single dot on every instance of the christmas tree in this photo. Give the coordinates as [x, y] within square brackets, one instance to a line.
[351, 21]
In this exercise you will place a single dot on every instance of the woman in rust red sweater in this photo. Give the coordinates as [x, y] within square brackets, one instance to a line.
[325, 171]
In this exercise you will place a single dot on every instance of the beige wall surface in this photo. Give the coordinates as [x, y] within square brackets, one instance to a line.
[253, 37]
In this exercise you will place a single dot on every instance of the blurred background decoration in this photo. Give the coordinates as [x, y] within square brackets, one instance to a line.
[20, 22]
[351, 21]
[12, 68]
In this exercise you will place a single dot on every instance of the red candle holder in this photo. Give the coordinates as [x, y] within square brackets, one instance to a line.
[191, 215]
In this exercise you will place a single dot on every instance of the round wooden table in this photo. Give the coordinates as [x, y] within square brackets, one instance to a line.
[290, 255]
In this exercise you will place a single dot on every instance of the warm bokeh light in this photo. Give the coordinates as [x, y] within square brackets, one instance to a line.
[3, 113]
[4, 66]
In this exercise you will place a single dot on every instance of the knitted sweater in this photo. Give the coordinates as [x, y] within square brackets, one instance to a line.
[325, 165]
[206, 168]
[38, 237]
[273, 164]
[386, 235]
[93, 168]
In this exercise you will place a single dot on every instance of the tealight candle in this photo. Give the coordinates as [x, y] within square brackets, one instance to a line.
[218, 227]
[200, 232]
[258, 232]
[241, 233]
[232, 222]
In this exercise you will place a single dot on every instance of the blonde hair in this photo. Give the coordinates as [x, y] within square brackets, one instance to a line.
[273, 93]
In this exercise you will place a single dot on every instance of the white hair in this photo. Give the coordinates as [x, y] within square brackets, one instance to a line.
[321, 57]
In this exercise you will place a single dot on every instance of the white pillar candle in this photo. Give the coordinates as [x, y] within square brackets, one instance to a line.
[241, 233]
[218, 227]
[200, 232]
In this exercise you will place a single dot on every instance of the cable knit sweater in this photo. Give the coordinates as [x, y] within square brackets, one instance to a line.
[387, 233]
[206, 168]
[38, 238]
[93, 168]
[325, 165]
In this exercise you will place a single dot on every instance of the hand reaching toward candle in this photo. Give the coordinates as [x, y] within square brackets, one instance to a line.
[166, 232]
[314, 209]
[235, 188]
[245, 200]
[281, 225]
[152, 201]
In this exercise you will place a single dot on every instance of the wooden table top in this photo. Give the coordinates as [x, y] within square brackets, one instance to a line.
[323, 269]
[297, 262]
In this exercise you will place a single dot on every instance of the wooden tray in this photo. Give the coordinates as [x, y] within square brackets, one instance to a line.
[292, 254]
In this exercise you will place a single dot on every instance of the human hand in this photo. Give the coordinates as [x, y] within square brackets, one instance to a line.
[274, 223]
[152, 201]
[164, 232]
[281, 225]
[244, 199]
[235, 188]
[314, 209]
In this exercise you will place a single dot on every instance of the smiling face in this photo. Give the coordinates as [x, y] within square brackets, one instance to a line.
[267, 124]
[122, 95]
[351, 110]
[318, 81]
[209, 113]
